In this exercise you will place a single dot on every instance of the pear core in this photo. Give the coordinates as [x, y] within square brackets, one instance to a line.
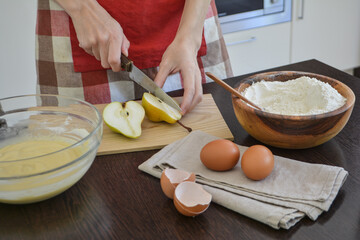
[124, 118]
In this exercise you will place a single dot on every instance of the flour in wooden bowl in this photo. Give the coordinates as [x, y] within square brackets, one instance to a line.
[300, 96]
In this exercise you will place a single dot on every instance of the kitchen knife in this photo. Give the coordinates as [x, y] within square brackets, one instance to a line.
[139, 77]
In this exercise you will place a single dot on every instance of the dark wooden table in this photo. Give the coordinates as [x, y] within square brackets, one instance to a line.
[114, 200]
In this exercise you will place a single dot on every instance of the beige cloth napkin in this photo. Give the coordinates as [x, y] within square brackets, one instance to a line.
[293, 189]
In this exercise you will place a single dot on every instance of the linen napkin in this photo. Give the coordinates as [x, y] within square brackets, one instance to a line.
[293, 190]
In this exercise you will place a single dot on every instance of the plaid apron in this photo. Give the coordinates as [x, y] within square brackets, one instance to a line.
[55, 67]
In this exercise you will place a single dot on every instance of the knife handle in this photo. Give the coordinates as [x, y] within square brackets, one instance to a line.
[126, 63]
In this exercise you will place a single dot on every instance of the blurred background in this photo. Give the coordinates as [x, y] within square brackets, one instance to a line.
[17, 47]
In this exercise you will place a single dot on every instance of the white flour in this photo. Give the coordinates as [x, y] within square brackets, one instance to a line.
[301, 96]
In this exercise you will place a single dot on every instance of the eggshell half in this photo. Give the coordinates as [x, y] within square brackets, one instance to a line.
[190, 199]
[170, 178]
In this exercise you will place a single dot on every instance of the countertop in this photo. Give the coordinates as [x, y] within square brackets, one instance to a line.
[115, 200]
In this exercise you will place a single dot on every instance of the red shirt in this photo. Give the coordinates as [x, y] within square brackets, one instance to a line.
[150, 26]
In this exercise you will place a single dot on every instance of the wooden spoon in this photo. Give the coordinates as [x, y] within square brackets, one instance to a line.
[231, 90]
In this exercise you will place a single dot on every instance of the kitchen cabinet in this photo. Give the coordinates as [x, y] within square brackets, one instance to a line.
[327, 30]
[259, 48]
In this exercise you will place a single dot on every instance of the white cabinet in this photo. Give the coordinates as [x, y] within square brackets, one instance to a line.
[327, 30]
[17, 47]
[259, 48]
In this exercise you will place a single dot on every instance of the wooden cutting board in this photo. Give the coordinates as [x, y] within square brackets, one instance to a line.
[205, 117]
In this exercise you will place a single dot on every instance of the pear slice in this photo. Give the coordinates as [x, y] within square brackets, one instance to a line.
[157, 110]
[124, 118]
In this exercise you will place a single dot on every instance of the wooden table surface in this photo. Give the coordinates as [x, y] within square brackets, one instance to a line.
[114, 200]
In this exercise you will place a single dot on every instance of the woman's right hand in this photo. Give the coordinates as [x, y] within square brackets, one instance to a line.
[98, 33]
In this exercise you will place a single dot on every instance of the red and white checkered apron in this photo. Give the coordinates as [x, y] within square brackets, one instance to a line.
[55, 62]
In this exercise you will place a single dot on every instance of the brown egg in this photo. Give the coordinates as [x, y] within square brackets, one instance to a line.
[170, 178]
[190, 199]
[257, 162]
[220, 155]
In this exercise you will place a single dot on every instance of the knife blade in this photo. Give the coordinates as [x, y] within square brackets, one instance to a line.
[140, 78]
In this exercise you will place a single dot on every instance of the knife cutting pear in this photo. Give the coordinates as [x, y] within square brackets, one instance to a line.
[140, 78]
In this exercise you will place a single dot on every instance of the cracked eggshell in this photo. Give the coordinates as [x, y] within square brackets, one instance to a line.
[170, 178]
[190, 199]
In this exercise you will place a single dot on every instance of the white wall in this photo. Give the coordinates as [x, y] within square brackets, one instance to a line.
[17, 47]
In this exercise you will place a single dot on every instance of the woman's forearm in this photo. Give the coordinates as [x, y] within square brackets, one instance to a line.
[192, 21]
[73, 7]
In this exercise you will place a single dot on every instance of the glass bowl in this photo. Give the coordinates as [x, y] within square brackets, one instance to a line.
[47, 143]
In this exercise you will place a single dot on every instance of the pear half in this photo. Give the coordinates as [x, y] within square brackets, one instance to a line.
[124, 118]
[157, 110]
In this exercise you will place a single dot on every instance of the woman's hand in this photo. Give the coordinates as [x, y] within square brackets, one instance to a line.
[181, 55]
[98, 33]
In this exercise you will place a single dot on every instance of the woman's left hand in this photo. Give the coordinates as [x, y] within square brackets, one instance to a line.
[181, 57]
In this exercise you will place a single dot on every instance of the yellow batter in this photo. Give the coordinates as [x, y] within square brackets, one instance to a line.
[33, 152]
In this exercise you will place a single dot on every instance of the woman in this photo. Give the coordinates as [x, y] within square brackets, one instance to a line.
[79, 43]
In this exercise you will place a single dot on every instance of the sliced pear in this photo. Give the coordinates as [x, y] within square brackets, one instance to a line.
[157, 110]
[125, 119]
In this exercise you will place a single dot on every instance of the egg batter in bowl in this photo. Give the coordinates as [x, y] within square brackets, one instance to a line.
[44, 150]
[38, 162]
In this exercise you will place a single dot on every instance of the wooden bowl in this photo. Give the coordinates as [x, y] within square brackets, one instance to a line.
[292, 132]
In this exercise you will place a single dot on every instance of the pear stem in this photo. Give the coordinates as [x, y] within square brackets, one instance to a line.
[187, 128]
